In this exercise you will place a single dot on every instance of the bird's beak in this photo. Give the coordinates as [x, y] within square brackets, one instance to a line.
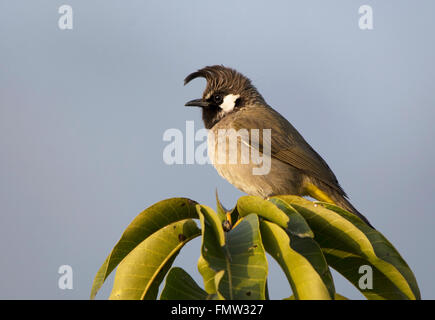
[197, 103]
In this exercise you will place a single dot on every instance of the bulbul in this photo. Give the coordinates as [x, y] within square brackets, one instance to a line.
[230, 101]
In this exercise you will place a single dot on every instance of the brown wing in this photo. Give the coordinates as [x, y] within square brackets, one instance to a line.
[287, 144]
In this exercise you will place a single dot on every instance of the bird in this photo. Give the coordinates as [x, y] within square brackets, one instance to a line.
[231, 103]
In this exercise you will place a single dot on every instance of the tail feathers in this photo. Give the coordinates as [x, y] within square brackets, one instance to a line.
[341, 201]
[336, 196]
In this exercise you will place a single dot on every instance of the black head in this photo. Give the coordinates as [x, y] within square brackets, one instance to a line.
[227, 91]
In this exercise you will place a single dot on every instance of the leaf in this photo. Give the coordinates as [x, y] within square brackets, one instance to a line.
[291, 254]
[349, 265]
[340, 297]
[179, 285]
[213, 243]
[240, 256]
[277, 211]
[348, 243]
[247, 273]
[146, 223]
[336, 297]
[297, 225]
[217, 282]
[221, 211]
[252, 204]
[141, 272]
[300, 234]
[208, 275]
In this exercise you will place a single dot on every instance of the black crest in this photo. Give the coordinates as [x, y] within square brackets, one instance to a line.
[220, 78]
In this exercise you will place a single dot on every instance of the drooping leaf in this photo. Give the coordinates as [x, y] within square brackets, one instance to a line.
[349, 243]
[340, 297]
[208, 275]
[217, 283]
[297, 225]
[146, 223]
[276, 211]
[291, 253]
[248, 264]
[141, 272]
[349, 266]
[266, 209]
[179, 285]
[299, 235]
[240, 256]
[336, 297]
[213, 249]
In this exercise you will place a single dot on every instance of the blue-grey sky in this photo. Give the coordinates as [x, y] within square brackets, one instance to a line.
[83, 111]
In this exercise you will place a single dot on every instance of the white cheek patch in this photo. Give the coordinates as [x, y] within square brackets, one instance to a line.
[229, 102]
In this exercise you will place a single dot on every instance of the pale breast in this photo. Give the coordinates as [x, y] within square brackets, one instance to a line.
[246, 168]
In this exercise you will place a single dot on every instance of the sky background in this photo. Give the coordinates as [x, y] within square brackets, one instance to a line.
[83, 112]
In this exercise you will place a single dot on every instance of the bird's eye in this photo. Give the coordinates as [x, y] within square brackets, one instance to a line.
[217, 98]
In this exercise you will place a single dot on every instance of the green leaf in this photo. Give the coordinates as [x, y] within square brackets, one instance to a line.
[297, 257]
[217, 282]
[141, 272]
[146, 223]
[349, 243]
[297, 225]
[221, 211]
[248, 264]
[336, 297]
[208, 275]
[179, 285]
[235, 268]
[252, 204]
[277, 211]
[300, 234]
[213, 245]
